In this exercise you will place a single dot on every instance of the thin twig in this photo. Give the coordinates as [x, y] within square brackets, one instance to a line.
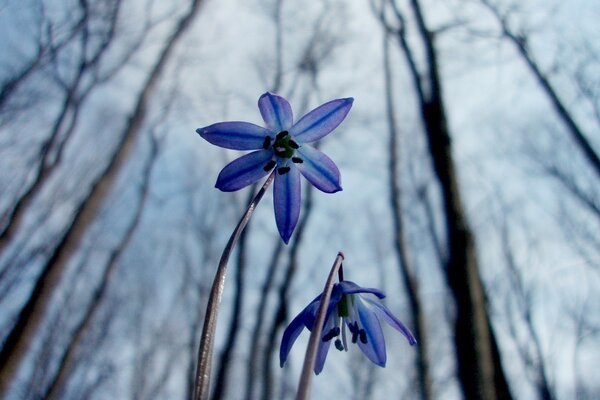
[205, 351]
[315, 335]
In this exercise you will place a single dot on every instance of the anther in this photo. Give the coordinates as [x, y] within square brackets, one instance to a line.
[363, 336]
[281, 134]
[339, 345]
[267, 142]
[283, 170]
[297, 160]
[269, 166]
[333, 332]
[355, 331]
[293, 144]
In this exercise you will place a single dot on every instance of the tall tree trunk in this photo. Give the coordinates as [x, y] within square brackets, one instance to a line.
[479, 366]
[67, 360]
[406, 270]
[21, 336]
[479, 369]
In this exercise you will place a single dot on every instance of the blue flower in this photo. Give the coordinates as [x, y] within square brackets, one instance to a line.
[281, 145]
[348, 307]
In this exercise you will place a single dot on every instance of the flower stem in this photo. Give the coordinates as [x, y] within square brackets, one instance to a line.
[202, 385]
[315, 335]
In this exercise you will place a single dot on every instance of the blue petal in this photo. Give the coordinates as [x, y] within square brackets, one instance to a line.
[321, 121]
[290, 335]
[235, 135]
[323, 346]
[243, 171]
[286, 199]
[319, 169]
[311, 313]
[276, 112]
[384, 313]
[374, 349]
[349, 287]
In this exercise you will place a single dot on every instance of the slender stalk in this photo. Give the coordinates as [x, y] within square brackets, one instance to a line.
[315, 335]
[201, 390]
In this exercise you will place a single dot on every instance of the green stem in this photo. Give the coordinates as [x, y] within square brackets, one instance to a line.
[202, 385]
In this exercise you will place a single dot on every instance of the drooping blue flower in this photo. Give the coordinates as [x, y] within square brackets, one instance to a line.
[348, 308]
[282, 144]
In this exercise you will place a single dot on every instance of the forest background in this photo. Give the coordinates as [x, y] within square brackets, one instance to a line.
[471, 174]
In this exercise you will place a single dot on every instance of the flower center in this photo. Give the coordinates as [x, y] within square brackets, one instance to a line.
[284, 145]
[343, 309]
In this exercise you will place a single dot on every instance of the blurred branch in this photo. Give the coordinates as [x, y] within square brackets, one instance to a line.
[479, 366]
[67, 359]
[22, 334]
[520, 41]
[406, 270]
[534, 361]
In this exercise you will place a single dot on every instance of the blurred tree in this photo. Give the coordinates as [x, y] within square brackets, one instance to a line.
[19, 339]
[406, 268]
[479, 366]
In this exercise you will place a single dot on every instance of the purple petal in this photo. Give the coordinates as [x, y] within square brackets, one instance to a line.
[276, 112]
[323, 347]
[321, 356]
[319, 169]
[286, 199]
[290, 335]
[311, 313]
[321, 121]
[235, 135]
[384, 313]
[374, 349]
[349, 287]
[243, 171]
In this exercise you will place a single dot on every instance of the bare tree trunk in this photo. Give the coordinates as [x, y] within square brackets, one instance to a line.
[479, 368]
[22, 334]
[563, 114]
[479, 371]
[66, 362]
[406, 270]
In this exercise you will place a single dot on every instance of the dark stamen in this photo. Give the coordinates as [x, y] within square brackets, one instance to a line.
[269, 165]
[283, 170]
[293, 144]
[339, 345]
[281, 134]
[267, 142]
[297, 160]
[354, 330]
[333, 332]
[363, 336]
